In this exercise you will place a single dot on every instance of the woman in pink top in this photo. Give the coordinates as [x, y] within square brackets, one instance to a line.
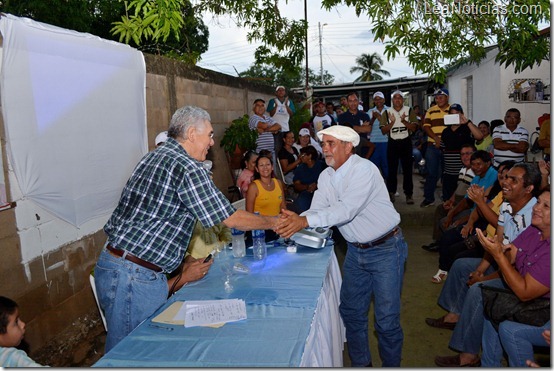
[247, 174]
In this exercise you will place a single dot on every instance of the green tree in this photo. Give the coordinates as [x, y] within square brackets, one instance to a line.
[315, 79]
[98, 16]
[78, 15]
[159, 19]
[190, 42]
[149, 20]
[432, 33]
[370, 67]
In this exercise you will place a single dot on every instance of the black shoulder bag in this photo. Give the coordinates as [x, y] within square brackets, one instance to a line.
[501, 304]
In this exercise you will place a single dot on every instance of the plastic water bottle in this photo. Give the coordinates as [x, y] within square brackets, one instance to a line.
[239, 249]
[258, 244]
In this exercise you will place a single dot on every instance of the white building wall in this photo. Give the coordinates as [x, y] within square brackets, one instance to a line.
[491, 84]
[486, 87]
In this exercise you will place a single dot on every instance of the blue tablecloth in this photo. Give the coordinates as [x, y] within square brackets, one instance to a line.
[281, 297]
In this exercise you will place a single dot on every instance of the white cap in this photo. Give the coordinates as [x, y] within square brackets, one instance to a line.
[397, 92]
[378, 94]
[161, 138]
[280, 87]
[304, 131]
[340, 132]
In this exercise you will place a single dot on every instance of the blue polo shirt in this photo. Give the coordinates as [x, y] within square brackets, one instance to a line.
[349, 119]
[487, 181]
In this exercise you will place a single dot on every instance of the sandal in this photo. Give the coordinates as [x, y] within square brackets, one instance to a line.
[439, 276]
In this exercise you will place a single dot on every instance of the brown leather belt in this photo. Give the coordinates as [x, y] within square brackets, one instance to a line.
[134, 259]
[376, 242]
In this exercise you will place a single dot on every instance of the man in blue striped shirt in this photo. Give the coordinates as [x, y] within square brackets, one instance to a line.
[265, 126]
[150, 229]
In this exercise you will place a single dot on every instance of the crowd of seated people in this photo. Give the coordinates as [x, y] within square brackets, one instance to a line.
[516, 257]
[460, 240]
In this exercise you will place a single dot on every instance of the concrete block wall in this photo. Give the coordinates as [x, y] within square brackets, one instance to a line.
[46, 262]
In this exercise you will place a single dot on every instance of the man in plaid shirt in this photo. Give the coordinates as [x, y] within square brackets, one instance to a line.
[150, 229]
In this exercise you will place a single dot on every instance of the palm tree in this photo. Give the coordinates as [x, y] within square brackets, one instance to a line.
[370, 67]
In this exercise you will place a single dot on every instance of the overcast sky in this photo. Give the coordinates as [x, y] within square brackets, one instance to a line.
[344, 37]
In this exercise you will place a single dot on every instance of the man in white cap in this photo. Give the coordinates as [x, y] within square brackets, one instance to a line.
[351, 195]
[379, 156]
[280, 108]
[398, 123]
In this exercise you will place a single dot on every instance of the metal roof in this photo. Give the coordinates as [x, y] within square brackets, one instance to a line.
[402, 83]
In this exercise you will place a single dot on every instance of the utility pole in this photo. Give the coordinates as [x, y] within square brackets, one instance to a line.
[306, 19]
[320, 53]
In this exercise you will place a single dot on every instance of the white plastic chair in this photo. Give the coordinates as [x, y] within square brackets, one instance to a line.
[279, 172]
[93, 287]
[290, 193]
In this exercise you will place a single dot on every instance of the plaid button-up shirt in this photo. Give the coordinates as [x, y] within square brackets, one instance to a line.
[167, 192]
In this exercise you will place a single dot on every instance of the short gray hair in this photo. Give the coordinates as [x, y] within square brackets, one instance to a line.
[185, 118]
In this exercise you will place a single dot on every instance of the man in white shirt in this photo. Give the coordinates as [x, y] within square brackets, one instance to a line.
[352, 195]
[280, 108]
[398, 123]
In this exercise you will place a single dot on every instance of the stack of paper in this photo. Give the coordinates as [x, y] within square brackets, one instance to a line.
[213, 313]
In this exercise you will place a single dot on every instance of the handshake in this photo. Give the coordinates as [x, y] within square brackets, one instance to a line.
[288, 223]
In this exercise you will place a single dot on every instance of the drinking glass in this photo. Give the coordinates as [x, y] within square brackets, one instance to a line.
[224, 254]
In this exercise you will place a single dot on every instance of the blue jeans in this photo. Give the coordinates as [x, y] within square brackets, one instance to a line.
[128, 294]
[377, 272]
[433, 162]
[517, 340]
[379, 158]
[454, 291]
[416, 154]
[468, 332]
